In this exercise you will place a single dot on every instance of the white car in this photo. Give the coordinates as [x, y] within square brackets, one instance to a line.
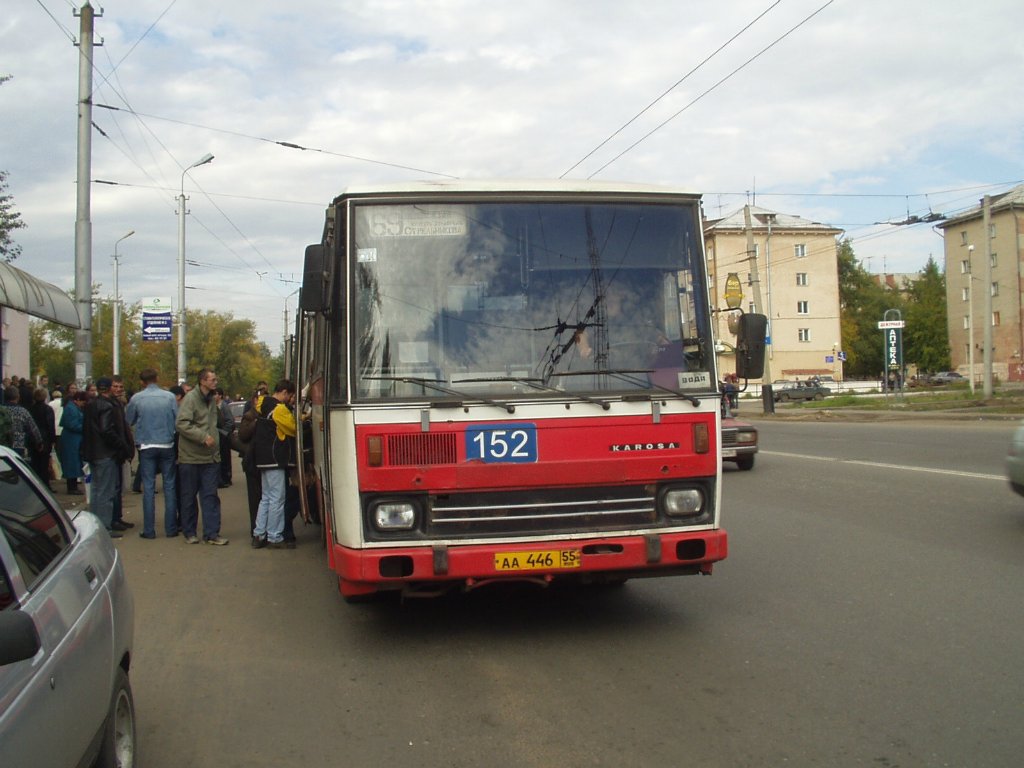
[67, 623]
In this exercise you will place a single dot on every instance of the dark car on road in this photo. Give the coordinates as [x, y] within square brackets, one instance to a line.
[739, 442]
[790, 391]
[67, 623]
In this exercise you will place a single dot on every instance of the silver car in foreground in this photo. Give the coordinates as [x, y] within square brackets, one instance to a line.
[1015, 461]
[66, 626]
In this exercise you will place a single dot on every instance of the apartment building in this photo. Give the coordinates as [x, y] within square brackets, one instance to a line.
[969, 283]
[799, 281]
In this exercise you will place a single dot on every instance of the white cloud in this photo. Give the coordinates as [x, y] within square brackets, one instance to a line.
[867, 98]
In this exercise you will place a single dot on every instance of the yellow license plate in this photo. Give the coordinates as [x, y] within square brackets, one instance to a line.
[540, 560]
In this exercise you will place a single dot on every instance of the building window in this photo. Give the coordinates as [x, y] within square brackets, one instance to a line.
[801, 278]
[803, 334]
[995, 318]
[965, 294]
[965, 267]
[963, 237]
[967, 322]
[800, 250]
[801, 308]
[995, 289]
[750, 279]
[750, 308]
[991, 231]
[994, 260]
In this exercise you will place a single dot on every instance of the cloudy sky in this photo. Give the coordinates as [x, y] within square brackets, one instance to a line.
[847, 112]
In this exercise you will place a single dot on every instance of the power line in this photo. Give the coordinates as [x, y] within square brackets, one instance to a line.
[712, 88]
[67, 32]
[675, 85]
[280, 143]
[105, 78]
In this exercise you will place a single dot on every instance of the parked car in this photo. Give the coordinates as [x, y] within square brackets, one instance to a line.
[1015, 461]
[237, 407]
[945, 377]
[788, 391]
[739, 442]
[67, 623]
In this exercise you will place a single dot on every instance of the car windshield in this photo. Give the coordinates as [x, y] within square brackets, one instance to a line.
[502, 298]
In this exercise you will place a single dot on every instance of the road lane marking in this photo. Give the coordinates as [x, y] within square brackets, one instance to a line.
[883, 465]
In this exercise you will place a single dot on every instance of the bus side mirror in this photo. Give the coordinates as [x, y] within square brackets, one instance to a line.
[313, 295]
[750, 342]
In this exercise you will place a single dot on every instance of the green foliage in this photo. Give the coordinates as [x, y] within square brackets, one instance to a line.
[10, 220]
[215, 340]
[863, 303]
[926, 337]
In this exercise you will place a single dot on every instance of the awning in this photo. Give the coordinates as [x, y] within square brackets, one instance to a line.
[20, 291]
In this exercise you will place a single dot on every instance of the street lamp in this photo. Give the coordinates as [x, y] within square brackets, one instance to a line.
[970, 315]
[117, 309]
[181, 267]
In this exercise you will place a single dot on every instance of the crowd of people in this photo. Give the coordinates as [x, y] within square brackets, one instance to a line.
[184, 434]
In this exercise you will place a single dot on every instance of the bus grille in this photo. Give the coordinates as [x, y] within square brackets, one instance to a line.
[421, 449]
[541, 511]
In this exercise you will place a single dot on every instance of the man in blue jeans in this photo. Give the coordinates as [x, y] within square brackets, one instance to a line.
[273, 453]
[151, 413]
[199, 460]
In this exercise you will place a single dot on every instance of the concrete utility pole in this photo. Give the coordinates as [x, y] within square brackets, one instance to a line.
[83, 223]
[766, 387]
[182, 348]
[986, 353]
[117, 307]
[970, 315]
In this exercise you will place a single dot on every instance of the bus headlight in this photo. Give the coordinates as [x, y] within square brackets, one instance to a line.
[393, 515]
[683, 502]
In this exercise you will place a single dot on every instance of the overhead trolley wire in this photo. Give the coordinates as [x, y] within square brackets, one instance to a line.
[714, 87]
[675, 85]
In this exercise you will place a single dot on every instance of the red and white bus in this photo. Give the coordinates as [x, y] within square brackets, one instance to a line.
[513, 381]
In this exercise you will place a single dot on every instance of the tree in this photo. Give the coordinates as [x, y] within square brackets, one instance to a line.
[215, 340]
[926, 337]
[862, 304]
[10, 219]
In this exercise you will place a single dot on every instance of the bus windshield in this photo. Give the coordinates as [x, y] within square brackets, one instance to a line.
[504, 298]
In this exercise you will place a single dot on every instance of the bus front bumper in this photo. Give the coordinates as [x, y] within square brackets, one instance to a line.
[363, 571]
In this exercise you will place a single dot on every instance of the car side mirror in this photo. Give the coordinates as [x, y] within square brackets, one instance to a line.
[19, 638]
[750, 344]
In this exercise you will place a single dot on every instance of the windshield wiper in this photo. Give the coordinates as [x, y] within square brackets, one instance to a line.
[623, 376]
[432, 384]
[538, 384]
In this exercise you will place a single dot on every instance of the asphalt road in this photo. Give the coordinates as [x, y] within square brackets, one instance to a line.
[869, 613]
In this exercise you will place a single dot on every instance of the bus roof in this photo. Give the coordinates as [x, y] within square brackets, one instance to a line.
[526, 186]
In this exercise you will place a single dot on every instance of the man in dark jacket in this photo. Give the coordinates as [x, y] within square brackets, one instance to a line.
[105, 444]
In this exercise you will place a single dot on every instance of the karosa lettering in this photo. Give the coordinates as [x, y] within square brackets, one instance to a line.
[623, 447]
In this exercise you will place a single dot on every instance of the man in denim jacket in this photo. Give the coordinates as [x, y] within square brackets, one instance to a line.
[151, 414]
